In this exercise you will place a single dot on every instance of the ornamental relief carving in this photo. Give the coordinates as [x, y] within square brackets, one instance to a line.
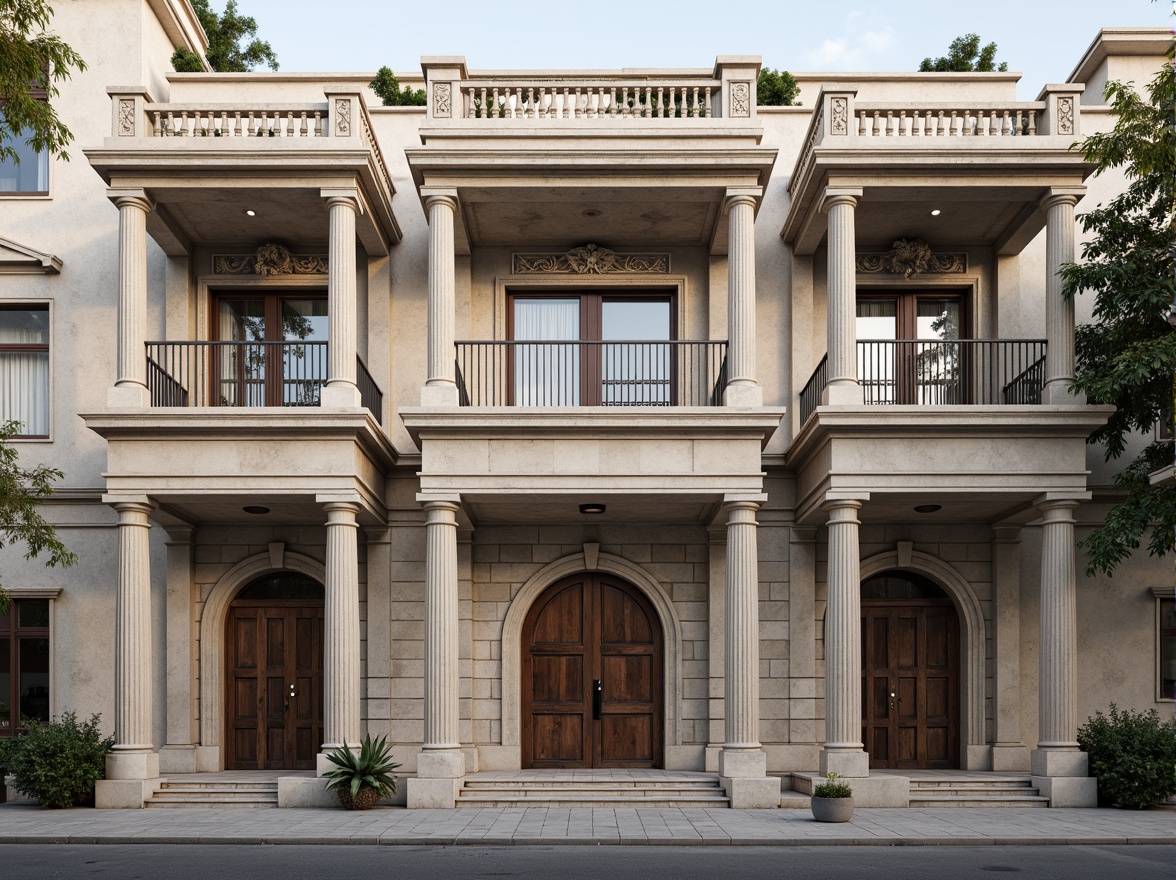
[342, 117]
[740, 99]
[909, 257]
[838, 118]
[1065, 115]
[270, 259]
[590, 260]
[442, 100]
[126, 117]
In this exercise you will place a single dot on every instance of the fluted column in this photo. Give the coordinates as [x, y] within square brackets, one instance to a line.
[133, 756]
[441, 631]
[1059, 310]
[341, 625]
[742, 388]
[841, 334]
[341, 389]
[843, 752]
[130, 387]
[441, 386]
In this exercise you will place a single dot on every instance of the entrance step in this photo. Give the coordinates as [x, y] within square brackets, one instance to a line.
[973, 791]
[214, 795]
[694, 792]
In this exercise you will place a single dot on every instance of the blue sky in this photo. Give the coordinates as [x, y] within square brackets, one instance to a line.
[1043, 39]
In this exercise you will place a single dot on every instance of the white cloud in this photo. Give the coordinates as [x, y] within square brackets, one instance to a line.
[859, 48]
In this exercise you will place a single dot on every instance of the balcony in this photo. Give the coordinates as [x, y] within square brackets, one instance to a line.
[591, 373]
[246, 374]
[938, 372]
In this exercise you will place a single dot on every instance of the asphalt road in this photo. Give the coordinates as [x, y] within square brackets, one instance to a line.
[181, 862]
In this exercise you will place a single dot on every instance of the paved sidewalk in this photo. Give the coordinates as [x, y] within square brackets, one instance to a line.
[21, 823]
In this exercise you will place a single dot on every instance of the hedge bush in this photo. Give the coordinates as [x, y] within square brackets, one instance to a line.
[1133, 755]
[57, 764]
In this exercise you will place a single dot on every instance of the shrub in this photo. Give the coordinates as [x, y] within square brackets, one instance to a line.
[58, 764]
[776, 88]
[371, 769]
[1133, 755]
[388, 90]
[832, 788]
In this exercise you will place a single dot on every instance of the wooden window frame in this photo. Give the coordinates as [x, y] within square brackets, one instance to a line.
[10, 629]
[1161, 632]
[34, 347]
[907, 306]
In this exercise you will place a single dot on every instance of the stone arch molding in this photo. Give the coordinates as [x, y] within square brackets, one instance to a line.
[512, 636]
[212, 642]
[972, 633]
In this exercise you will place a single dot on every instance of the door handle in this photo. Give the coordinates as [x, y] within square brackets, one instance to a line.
[597, 696]
[893, 697]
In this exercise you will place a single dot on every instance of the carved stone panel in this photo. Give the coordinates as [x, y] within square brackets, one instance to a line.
[740, 100]
[838, 116]
[270, 259]
[342, 117]
[126, 117]
[442, 100]
[1065, 115]
[910, 257]
[590, 260]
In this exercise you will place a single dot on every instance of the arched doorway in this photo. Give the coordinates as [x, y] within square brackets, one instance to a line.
[910, 673]
[591, 675]
[274, 674]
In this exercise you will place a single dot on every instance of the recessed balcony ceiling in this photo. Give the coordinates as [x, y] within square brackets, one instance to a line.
[209, 217]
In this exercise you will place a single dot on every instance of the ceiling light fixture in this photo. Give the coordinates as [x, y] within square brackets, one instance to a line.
[592, 212]
[249, 212]
[592, 508]
[256, 509]
[928, 508]
[936, 213]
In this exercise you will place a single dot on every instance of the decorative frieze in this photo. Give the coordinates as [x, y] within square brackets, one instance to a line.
[909, 257]
[590, 260]
[270, 259]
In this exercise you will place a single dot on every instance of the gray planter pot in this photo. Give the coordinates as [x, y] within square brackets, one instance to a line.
[832, 809]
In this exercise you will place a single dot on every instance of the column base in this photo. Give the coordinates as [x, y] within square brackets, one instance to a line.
[1010, 758]
[124, 794]
[1059, 762]
[441, 764]
[850, 763]
[128, 396]
[1059, 394]
[745, 394]
[1068, 791]
[177, 759]
[743, 763]
[842, 394]
[431, 794]
[344, 394]
[439, 395]
[752, 794]
[136, 764]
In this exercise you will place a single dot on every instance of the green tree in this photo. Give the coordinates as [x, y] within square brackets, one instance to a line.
[776, 88]
[32, 63]
[388, 90]
[964, 55]
[233, 46]
[1127, 357]
[20, 522]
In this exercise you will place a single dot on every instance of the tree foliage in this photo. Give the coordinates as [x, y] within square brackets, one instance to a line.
[1127, 357]
[388, 90]
[20, 522]
[965, 55]
[32, 63]
[776, 88]
[233, 46]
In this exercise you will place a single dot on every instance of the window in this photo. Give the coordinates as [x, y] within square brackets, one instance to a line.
[623, 356]
[24, 664]
[31, 176]
[273, 351]
[1166, 680]
[24, 367]
[908, 349]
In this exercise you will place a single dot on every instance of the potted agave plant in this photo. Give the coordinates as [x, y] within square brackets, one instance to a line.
[360, 780]
[832, 801]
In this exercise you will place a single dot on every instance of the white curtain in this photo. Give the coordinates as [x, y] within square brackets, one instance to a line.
[24, 375]
[547, 373]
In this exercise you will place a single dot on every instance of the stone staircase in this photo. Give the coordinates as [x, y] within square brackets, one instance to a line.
[970, 791]
[666, 789]
[215, 794]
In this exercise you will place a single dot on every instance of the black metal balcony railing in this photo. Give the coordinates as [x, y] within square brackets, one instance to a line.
[592, 373]
[246, 374]
[934, 372]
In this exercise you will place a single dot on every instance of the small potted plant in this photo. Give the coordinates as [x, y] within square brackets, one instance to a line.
[832, 801]
[362, 779]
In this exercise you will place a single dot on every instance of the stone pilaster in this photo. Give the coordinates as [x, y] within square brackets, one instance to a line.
[341, 389]
[1009, 753]
[843, 752]
[716, 636]
[441, 385]
[341, 722]
[841, 342]
[742, 388]
[178, 754]
[1059, 311]
[130, 387]
[742, 762]
[441, 764]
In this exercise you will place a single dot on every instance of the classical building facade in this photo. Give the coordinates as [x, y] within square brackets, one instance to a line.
[573, 420]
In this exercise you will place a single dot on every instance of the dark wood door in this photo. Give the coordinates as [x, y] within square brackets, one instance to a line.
[910, 684]
[592, 676]
[274, 708]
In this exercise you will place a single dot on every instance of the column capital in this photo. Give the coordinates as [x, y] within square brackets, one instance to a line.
[1049, 503]
[345, 198]
[1061, 195]
[840, 195]
[749, 195]
[439, 196]
[342, 513]
[844, 502]
[131, 198]
[142, 506]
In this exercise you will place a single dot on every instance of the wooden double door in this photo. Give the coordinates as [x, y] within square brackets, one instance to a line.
[910, 684]
[592, 676]
[274, 708]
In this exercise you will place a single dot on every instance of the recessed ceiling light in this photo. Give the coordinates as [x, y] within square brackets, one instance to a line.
[936, 213]
[592, 508]
[592, 212]
[249, 212]
[256, 509]
[928, 508]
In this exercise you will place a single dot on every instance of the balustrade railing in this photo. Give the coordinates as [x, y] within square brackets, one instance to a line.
[262, 120]
[591, 373]
[941, 372]
[246, 374]
[1020, 119]
[584, 99]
